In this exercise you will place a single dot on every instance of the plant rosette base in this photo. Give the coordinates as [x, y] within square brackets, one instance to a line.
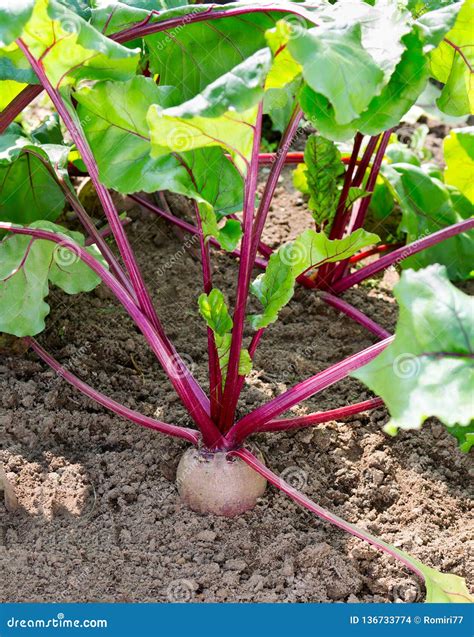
[216, 483]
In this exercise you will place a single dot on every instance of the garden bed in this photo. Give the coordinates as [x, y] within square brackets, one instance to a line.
[99, 517]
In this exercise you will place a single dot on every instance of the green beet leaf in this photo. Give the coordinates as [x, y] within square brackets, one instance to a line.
[428, 205]
[464, 436]
[13, 17]
[452, 62]
[28, 189]
[403, 56]
[222, 115]
[337, 66]
[49, 131]
[441, 588]
[111, 16]
[346, 63]
[27, 266]
[9, 89]
[224, 43]
[434, 19]
[275, 287]
[459, 158]
[214, 310]
[428, 370]
[387, 17]
[70, 49]
[113, 115]
[386, 109]
[324, 167]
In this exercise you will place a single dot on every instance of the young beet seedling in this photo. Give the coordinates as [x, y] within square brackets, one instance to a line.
[155, 118]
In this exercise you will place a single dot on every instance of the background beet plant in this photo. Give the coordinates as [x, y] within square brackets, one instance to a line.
[152, 100]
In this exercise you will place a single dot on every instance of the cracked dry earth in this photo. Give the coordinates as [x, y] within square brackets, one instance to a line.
[97, 515]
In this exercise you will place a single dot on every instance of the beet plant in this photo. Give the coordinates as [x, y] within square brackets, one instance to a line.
[154, 100]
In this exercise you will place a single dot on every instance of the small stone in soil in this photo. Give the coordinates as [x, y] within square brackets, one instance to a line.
[206, 536]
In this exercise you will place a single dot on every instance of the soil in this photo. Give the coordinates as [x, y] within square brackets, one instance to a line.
[98, 515]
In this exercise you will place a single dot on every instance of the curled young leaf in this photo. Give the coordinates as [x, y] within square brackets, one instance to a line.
[324, 167]
[213, 309]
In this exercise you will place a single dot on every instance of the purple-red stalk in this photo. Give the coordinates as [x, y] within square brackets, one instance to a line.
[307, 388]
[400, 254]
[306, 503]
[355, 314]
[341, 305]
[259, 224]
[385, 247]
[111, 213]
[106, 231]
[138, 284]
[358, 216]
[272, 181]
[86, 221]
[342, 216]
[215, 377]
[337, 229]
[268, 159]
[309, 420]
[146, 27]
[230, 395]
[180, 380]
[145, 421]
[359, 211]
[18, 103]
